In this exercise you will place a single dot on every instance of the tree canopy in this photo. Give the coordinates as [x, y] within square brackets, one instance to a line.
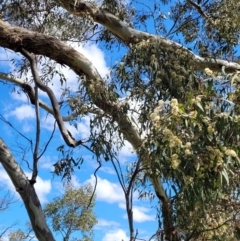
[73, 212]
[172, 93]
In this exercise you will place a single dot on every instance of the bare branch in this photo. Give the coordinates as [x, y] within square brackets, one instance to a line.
[11, 125]
[38, 131]
[30, 93]
[6, 229]
[65, 133]
[6, 200]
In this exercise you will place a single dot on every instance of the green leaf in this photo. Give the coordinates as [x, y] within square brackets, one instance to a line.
[225, 175]
[200, 106]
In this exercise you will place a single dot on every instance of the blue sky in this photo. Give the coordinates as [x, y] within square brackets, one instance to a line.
[110, 205]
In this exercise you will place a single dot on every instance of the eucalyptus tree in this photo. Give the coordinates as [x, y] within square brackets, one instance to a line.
[73, 212]
[179, 63]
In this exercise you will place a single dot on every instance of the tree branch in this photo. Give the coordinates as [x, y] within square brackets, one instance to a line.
[130, 36]
[199, 9]
[70, 141]
[38, 131]
[16, 38]
[31, 95]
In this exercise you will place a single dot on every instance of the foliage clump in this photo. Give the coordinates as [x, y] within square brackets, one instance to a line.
[73, 213]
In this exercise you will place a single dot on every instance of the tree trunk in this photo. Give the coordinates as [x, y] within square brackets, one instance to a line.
[27, 193]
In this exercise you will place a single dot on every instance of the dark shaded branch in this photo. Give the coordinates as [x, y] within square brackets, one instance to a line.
[96, 180]
[38, 131]
[128, 199]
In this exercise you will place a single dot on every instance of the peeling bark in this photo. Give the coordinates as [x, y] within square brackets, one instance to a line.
[27, 193]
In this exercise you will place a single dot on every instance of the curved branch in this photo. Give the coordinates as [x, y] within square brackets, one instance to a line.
[130, 36]
[65, 133]
[31, 95]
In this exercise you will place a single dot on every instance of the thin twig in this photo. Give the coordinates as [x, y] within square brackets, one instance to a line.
[95, 186]
[199, 9]
[11, 125]
[49, 140]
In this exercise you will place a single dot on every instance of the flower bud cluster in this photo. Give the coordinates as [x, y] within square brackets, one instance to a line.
[174, 106]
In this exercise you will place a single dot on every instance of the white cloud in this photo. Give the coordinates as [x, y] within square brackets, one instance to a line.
[75, 182]
[43, 187]
[47, 122]
[127, 150]
[102, 223]
[82, 130]
[46, 162]
[139, 213]
[59, 186]
[23, 112]
[107, 191]
[27, 127]
[96, 56]
[104, 168]
[108, 170]
[19, 95]
[115, 235]
[5, 180]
